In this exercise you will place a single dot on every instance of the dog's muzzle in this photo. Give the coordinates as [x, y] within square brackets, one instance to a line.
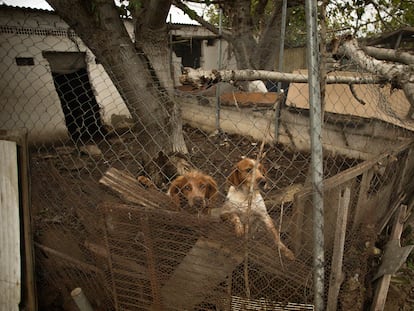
[199, 202]
[261, 183]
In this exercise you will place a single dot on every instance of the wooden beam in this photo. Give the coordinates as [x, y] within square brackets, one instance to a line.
[383, 284]
[337, 276]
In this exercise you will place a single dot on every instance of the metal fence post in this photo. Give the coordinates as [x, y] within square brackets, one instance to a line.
[282, 42]
[316, 149]
[219, 65]
[280, 66]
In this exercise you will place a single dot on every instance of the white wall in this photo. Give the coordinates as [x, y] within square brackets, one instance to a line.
[29, 98]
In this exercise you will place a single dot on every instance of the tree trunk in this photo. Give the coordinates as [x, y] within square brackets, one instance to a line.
[264, 56]
[156, 116]
[151, 36]
[242, 40]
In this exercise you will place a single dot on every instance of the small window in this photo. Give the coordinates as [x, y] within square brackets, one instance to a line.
[24, 61]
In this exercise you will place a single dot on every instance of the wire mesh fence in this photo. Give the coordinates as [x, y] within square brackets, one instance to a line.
[129, 248]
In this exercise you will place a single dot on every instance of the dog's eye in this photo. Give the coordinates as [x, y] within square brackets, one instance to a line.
[248, 170]
[187, 187]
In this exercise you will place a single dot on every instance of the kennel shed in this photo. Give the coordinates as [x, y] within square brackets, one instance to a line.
[166, 260]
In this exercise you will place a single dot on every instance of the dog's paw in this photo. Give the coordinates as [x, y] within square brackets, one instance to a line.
[146, 182]
[289, 254]
[239, 230]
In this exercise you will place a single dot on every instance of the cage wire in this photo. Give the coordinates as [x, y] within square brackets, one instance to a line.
[126, 256]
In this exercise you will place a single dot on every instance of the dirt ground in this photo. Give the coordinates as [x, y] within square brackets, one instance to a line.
[64, 178]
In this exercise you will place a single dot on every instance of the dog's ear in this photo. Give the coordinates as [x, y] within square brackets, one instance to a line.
[234, 178]
[212, 188]
[262, 169]
[175, 189]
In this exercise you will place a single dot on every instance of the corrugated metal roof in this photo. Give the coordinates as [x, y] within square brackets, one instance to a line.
[31, 8]
[178, 18]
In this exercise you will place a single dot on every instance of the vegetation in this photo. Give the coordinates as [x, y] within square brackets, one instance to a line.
[368, 17]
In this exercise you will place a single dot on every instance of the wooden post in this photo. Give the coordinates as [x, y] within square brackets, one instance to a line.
[29, 295]
[337, 277]
[10, 259]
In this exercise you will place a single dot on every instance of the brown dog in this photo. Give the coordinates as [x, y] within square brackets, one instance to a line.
[244, 203]
[194, 192]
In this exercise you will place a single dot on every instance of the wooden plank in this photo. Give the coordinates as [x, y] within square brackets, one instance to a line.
[337, 277]
[406, 181]
[250, 99]
[29, 294]
[206, 265]
[390, 212]
[351, 173]
[10, 260]
[360, 209]
[151, 264]
[297, 220]
[384, 282]
[129, 189]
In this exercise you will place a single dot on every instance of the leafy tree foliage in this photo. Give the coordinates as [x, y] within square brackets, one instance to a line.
[368, 17]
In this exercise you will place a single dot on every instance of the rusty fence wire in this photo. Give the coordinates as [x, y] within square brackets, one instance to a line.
[121, 244]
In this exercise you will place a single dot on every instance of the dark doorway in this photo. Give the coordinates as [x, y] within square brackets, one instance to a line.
[189, 50]
[78, 102]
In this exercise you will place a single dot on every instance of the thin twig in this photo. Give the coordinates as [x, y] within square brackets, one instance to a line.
[260, 156]
[280, 230]
[235, 101]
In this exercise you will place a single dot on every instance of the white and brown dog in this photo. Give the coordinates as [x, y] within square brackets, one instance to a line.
[245, 204]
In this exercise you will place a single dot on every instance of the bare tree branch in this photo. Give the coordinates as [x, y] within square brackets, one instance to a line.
[259, 9]
[390, 55]
[197, 76]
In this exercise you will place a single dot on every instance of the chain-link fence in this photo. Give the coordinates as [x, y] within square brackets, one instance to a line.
[97, 228]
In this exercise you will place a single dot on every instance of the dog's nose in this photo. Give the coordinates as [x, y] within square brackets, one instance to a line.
[261, 182]
[198, 202]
